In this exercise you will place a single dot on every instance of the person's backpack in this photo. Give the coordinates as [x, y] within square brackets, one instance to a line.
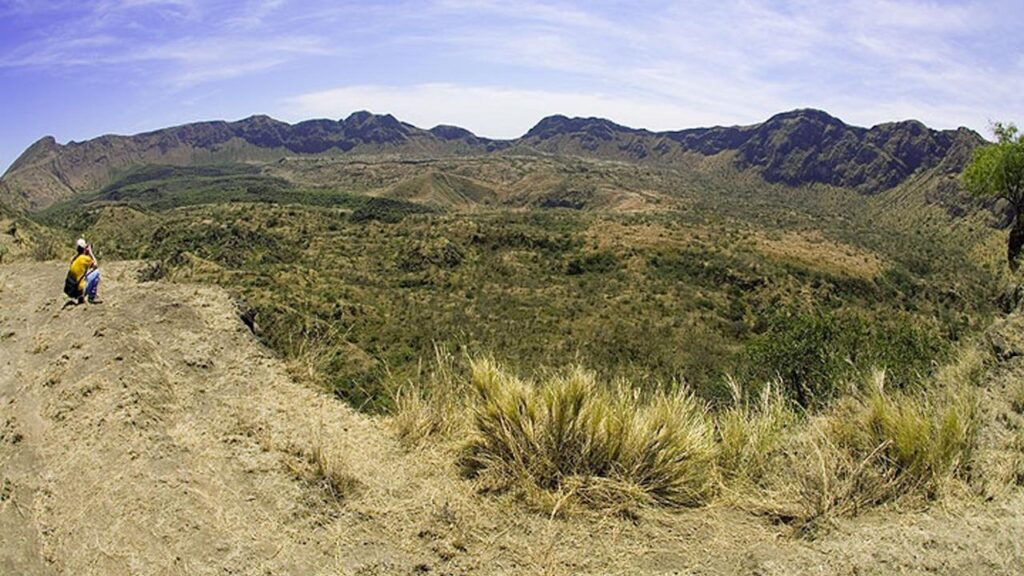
[71, 286]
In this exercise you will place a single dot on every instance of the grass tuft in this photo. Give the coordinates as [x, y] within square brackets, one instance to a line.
[752, 432]
[430, 404]
[876, 447]
[569, 439]
[922, 440]
[605, 445]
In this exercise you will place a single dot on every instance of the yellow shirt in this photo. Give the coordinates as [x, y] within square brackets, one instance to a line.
[79, 267]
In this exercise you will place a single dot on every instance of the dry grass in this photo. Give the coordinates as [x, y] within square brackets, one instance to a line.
[1017, 396]
[327, 467]
[827, 481]
[875, 447]
[569, 439]
[752, 432]
[813, 250]
[433, 404]
[923, 439]
[607, 446]
[966, 369]
[312, 456]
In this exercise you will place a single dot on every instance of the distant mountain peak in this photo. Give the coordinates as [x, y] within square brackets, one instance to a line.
[45, 147]
[558, 124]
[797, 147]
[448, 132]
[811, 114]
[259, 118]
[359, 116]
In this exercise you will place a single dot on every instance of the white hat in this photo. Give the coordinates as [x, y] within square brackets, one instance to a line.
[81, 244]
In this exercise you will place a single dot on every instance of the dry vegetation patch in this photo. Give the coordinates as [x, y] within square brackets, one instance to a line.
[606, 445]
[568, 439]
[813, 250]
[606, 234]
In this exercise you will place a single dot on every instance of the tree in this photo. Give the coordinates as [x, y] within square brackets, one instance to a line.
[997, 171]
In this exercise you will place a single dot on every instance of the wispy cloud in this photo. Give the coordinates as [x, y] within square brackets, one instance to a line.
[255, 13]
[191, 60]
[116, 33]
[497, 67]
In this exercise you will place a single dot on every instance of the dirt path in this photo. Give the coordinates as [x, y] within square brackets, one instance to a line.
[152, 434]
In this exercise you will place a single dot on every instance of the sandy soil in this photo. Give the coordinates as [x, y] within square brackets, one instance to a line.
[152, 434]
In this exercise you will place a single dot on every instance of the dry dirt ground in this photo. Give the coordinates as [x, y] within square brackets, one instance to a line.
[152, 434]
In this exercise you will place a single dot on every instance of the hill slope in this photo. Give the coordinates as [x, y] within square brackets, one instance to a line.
[48, 171]
[152, 434]
[795, 148]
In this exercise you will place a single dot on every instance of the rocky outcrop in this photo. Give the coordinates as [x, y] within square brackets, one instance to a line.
[796, 148]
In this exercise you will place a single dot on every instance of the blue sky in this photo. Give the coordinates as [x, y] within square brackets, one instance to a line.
[76, 69]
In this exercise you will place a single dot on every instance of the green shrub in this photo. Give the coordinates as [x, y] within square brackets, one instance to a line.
[602, 261]
[815, 354]
[386, 210]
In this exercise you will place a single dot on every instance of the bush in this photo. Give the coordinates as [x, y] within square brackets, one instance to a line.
[816, 354]
[386, 210]
[604, 445]
[600, 262]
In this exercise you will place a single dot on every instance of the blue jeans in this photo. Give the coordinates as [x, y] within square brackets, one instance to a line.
[92, 283]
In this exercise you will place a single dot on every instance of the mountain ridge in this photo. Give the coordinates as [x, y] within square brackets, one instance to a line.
[798, 147]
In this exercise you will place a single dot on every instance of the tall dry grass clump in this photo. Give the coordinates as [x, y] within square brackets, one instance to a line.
[752, 433]
[924, 440]
[434, 403]
[567, 438]
[604, 445]
[877, 446]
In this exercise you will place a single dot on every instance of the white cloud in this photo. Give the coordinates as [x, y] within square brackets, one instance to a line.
[191, 60]
[491, 111]
[653, 64]
[255, 13]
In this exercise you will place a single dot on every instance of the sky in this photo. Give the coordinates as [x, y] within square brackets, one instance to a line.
[77, 69]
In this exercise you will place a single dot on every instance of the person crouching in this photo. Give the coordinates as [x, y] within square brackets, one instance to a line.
[83, 279]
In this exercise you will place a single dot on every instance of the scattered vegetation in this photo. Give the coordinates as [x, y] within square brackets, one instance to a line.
[736, 283]
[569, 438]
[841, 317]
